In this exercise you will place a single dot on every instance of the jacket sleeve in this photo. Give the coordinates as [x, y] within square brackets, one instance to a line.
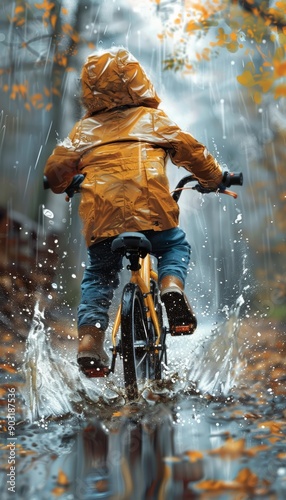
[185, 151]
[61, 166]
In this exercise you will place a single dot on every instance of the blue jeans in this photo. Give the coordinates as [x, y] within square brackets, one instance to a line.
[101, 276]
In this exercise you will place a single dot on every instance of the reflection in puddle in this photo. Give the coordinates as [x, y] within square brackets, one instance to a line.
[184, 449]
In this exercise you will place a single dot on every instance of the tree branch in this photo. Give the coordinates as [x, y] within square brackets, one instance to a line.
[254, 7]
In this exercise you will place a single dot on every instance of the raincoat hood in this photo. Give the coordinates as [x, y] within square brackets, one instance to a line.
[114, 78]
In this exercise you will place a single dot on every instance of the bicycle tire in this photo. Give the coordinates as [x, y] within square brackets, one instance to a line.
[134, 340]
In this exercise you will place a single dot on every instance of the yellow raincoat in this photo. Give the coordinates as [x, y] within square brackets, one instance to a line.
[122, 145]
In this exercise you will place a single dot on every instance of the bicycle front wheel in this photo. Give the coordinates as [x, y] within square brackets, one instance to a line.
[134, 340]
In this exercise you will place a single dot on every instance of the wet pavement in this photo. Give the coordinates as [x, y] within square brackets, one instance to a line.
[214, 429]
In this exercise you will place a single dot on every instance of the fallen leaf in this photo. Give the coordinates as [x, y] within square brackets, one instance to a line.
[193, 455]
[251, 452]
[231, 447]
[245, 480]
[274, 427]
[62, 479]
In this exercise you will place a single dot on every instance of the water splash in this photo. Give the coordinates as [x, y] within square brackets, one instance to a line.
[53, 385]
[215, 363]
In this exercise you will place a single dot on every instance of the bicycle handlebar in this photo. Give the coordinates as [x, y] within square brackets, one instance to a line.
[229, 179]
[73, 188]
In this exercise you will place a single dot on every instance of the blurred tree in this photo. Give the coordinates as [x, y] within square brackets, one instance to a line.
[255, 29]
[42, 38]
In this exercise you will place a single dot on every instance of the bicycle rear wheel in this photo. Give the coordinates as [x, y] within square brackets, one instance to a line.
[135, 342]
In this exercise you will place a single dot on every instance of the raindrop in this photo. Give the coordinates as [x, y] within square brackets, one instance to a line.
[240, 301]
[238, 219]
[48, 213]
[281, 471]
[241, 36]
[73, 275]
[54, 285]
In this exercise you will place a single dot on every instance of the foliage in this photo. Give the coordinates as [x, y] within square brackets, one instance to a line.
[46, 36]
[253, 29]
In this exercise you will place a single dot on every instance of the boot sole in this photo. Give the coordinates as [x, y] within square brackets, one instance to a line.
[92, 367]
[182, 320]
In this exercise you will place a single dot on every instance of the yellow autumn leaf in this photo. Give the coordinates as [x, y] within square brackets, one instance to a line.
[266, 81]
[246, 79]
[55, 91]
[54, 18]
[18, 9]
[280, 68]
[7, 368]
[232, 46]
[191, 26]
[274, 427]
[245, 480]
[75, 36]
[35, 98]
[58, 491]
[251, 452]
[67, 28]
[193, 455]
[280, 91]
[62, 479]
[117, 414]
[46, 5]
[281, 5]
[230, 447]
[257, 97]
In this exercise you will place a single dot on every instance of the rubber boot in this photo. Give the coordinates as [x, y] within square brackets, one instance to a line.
[91, 352]
[182, 320]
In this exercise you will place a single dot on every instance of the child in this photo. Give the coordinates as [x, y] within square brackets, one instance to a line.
[121, 146]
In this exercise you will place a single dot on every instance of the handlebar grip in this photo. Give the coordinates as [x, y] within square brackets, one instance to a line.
[232, 179]
[46, 183]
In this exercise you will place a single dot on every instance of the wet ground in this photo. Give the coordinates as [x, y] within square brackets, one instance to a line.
[215, 428]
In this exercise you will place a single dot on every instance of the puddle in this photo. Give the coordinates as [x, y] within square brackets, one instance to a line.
[215, 428]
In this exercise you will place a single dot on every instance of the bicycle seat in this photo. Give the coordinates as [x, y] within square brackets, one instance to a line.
[130, 242]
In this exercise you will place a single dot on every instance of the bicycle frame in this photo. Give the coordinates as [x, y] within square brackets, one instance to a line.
[142, 279]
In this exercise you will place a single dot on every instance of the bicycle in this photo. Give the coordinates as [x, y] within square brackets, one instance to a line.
[142, 343]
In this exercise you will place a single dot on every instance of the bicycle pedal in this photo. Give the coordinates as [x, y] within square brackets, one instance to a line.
[182, 330]
[96, 372]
